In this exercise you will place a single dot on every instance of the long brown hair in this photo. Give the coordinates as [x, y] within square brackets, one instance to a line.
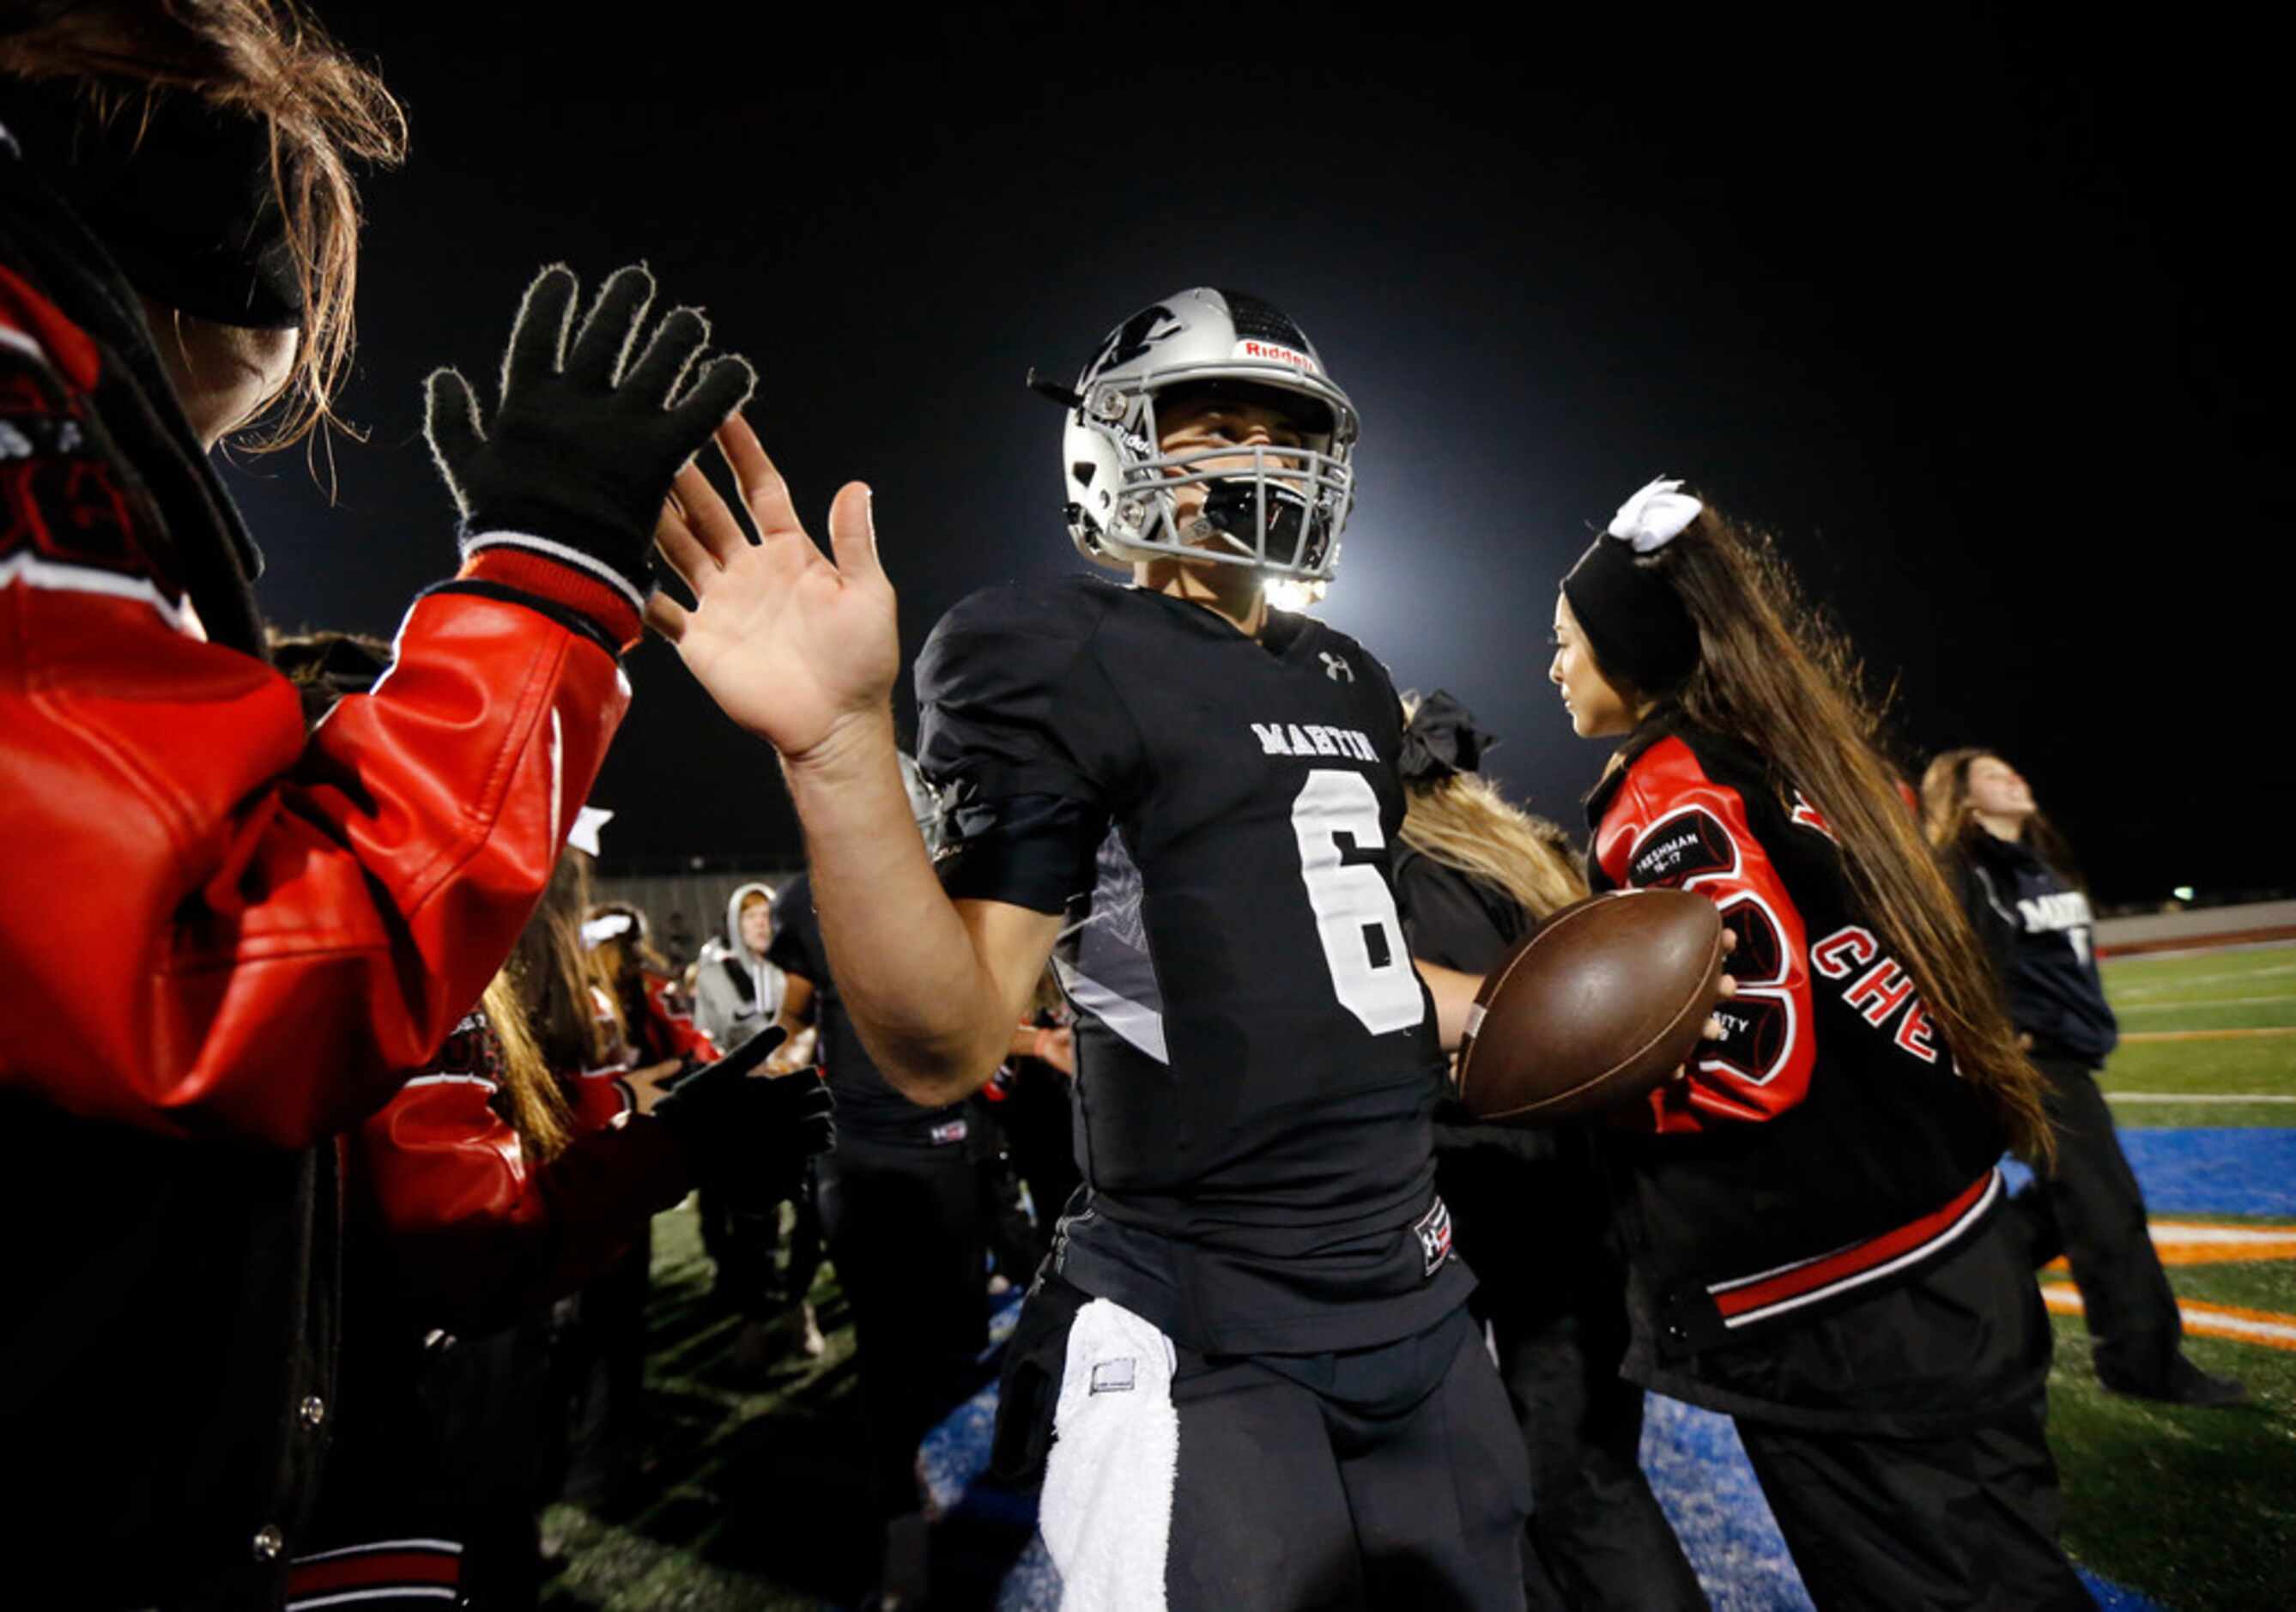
[554, 974]
[1774, 674]
[1947, 820]
[1461, 821]
[538, 1109]
[619, 965]
[270, 59]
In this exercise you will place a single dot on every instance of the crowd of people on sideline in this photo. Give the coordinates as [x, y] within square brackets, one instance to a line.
[1137, 984]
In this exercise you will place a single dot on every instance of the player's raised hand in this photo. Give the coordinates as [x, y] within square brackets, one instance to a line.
[789, 644]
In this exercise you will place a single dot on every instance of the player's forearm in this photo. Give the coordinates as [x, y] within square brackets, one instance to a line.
[904, 964]
[1455, 1000]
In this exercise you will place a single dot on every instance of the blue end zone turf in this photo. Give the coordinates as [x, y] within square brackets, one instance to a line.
[1705, 1485]
[2214, 1170]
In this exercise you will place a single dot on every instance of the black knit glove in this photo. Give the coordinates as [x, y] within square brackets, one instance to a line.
[748, 1135]
[577, 460]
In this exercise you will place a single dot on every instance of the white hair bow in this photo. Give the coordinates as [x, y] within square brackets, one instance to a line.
[597, 932]
[587, 821]
[1655, 517]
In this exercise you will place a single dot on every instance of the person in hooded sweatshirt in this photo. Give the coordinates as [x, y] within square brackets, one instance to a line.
[2015, 877]
[736, 994]
[739, 993]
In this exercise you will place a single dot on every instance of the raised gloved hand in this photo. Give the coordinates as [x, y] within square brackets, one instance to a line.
[576, 461]
[748, 1134]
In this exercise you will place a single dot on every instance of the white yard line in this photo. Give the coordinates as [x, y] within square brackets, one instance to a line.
[2221, 1001]
[2206, 1321]
[2198, 979]
[2196, 1097]
[2187, 1232]
[2219, 1320]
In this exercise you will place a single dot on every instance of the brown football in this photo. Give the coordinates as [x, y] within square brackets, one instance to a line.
[1600, 1005]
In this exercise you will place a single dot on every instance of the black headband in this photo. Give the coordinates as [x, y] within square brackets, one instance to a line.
[184, 202]
[1634, 621]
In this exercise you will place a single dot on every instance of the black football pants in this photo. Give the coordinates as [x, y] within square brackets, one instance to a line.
[2089, 1209]
[906, 1234]
[601, 1360]
[742, 1241]
[1555, 1305]
[1388, 1478]
[1968, 1521]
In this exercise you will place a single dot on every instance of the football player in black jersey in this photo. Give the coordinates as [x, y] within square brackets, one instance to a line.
[1269, 1390]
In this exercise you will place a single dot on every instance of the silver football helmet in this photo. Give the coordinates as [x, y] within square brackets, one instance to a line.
[1281, 515]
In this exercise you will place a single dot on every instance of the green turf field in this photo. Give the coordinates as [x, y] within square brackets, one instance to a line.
[2204, 991]
[756, 1499]
[2195, 1509]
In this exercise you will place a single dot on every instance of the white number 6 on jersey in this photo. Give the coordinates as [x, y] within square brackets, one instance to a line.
[1350, 900]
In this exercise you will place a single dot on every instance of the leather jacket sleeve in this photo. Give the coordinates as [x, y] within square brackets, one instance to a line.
[211, 924]
[1672, 825]
[476, 1231]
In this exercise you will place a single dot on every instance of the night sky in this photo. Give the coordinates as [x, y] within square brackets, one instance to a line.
[1980, 318]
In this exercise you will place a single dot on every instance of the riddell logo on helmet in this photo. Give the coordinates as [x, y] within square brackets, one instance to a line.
[1267, 352]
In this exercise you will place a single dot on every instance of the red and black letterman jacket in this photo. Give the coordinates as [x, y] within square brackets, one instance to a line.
[457, 1235]
[662, 1031]
[467, 1232]
[221, 941]
[1824, 1151]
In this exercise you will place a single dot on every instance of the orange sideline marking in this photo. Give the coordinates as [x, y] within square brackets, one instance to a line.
[2198, 1243]
[2209, 1321]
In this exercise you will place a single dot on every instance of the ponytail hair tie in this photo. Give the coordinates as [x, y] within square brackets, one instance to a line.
[1440, 740]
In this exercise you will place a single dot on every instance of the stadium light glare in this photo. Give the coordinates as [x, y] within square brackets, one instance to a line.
[1289, 593]
[2183, 893]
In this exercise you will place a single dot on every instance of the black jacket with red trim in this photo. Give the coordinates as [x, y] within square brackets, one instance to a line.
[458, 1240]
[1825, 1152]
[221, 940]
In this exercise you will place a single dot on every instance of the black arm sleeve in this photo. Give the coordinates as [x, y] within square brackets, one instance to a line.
[1448, 920]
[1032, 743]
[795, 947]
[1033, 851]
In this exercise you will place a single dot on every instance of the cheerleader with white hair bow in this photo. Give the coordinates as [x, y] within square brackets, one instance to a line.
[1810, 1217]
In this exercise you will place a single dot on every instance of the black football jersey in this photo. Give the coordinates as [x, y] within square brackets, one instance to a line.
[869, 1110]
[1215, 815]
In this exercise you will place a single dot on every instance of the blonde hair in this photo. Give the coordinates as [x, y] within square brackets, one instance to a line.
[1461, 821]
[1949, 821]
[538, 1110]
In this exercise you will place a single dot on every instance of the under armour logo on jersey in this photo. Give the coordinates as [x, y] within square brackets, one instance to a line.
[1336, 667]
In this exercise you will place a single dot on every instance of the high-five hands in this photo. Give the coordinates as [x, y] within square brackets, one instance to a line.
[795, 646]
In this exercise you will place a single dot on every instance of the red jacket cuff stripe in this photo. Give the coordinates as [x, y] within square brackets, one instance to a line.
[536, 573]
